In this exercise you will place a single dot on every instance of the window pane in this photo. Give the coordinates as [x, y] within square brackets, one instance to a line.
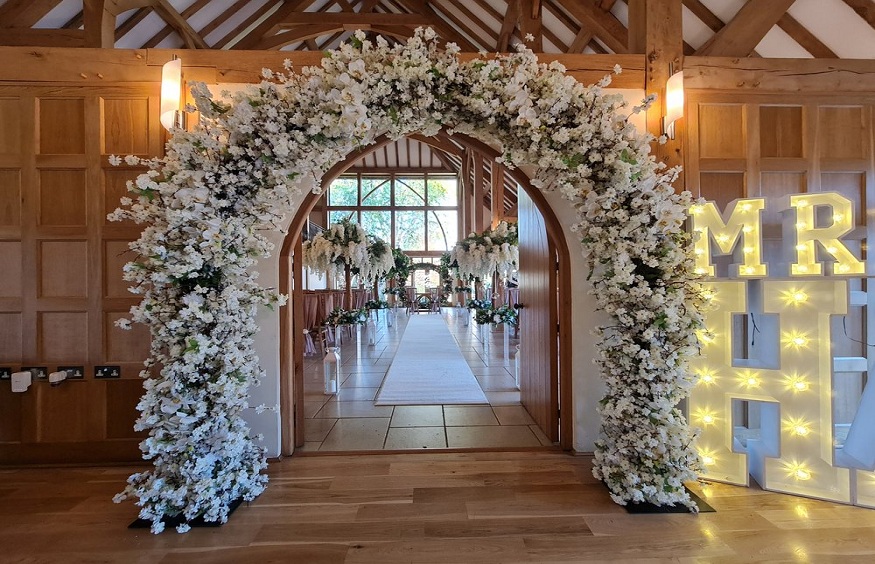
[379, 224]
[343, 192]
[442, 191]
[335, 216]
[443, 230]
[376, 192]
[410, 230]
[409, 192]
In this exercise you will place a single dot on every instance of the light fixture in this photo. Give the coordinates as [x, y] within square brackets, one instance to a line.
[171, 94]
[674, 103]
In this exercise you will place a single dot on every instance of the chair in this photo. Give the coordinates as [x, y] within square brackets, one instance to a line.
[410, 292]
[435, 300]
[312, 323]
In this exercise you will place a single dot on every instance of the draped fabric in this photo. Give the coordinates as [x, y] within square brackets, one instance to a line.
[312, 322]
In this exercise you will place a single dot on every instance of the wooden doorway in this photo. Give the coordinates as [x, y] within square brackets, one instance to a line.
[556, 330]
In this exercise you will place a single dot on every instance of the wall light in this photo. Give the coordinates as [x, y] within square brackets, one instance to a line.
[171, 94]
[674, 103]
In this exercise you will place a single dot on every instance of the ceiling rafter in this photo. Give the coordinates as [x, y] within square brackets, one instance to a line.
[267, 27]
[168, 13]
[24, 13]
[444, 29]
[605, 26]
[805, 38]
[169, 28]
[507, 26]
[492, 35]
[741, 35]
[130, 23]
[864, 8]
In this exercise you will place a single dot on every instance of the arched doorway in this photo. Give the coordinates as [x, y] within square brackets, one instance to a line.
[552, 390]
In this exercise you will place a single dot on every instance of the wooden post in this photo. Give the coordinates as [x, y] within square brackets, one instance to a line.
[497, 193]
[348, 277]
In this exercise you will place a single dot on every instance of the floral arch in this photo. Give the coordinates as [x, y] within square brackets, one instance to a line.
[206, 203]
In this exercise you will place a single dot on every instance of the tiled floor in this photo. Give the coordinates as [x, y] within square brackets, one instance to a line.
[349, 420]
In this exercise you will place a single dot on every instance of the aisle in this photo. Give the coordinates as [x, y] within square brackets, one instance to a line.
[429, 368]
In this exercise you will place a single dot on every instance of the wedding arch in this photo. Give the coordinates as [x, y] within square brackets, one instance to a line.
[206, 203]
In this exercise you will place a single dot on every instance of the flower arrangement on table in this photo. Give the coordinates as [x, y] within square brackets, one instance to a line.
[479, 304]
[376, 304]
[481, 255]
[340, 316]
[505, 314]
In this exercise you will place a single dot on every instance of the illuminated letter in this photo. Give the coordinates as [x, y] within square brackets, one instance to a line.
[806, 234]
[744, 221]
[797, 396]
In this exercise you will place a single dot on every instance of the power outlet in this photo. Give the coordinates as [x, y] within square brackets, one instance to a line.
[73, 372]
[5, 372]
[107, 372]
[38, 372]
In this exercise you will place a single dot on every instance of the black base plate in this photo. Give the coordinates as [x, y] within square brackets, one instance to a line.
[176, 520]
[677, 508]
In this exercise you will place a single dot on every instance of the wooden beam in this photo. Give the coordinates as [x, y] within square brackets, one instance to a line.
[664, 55]
[15, 36]
[99, 23]
[168, 29]
[224, 42]
[702, 12]
[497, 194]
[24, 13]
[864, 8]
[747, 75]
[581, 40]
[354, 19]
[741, 36]
[530, 24]
[637, 26]
[511, 17]
[168, 13]
[300, 33]
[479, 196]
[131, 22]
[604, 25]
[805, 38]
[445, 30]
[267, 27]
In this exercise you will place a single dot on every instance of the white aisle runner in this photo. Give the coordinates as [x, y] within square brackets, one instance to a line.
[429, 368]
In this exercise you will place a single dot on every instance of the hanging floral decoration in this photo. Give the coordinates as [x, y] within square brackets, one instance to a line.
[479, 255]
[347, 244]
[205, 204]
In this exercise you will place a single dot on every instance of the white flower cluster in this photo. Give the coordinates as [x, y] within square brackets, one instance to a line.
[481, 255]
[205, 203]
[347, 244]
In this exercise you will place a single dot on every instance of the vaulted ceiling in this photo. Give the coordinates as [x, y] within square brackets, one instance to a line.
[735, 28]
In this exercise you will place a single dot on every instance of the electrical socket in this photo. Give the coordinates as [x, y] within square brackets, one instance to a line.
[5, 372]
[38, 372]
[107, 372]
[73, 372]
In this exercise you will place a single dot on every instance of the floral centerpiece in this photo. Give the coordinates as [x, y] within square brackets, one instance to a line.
[340, 316]
[376, 304]
[480, 255]
[206, 204]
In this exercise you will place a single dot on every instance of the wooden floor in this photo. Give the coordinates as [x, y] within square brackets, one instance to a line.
[426, 507]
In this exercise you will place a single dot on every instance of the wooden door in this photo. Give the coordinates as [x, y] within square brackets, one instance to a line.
[538, 320]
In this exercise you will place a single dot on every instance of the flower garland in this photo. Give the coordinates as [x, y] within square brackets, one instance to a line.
[480, 255]
[347, 244]
[206, 202]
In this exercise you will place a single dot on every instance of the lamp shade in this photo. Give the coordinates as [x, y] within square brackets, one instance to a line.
[171, 92]
[674, 98]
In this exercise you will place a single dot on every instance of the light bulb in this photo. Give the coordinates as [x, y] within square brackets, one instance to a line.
[802, 474]
[800, 430]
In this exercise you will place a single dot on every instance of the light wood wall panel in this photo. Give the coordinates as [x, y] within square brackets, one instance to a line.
[61, 287]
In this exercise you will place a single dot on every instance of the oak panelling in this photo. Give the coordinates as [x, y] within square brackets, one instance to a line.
[115, 188]
[126, 126]
[62, 269]
[781, 133]
[841, 132]
[116, 254]
[61, 126]
[62, 336]
[772, 186]
[10, 126]
[124, 345]
[852, 185]
[10, 198]
[10, 337]
[10, 269]
[62, 197]
[721, 131]
[121, 408]
[66, 411]
[10, 412]
[722, 187]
